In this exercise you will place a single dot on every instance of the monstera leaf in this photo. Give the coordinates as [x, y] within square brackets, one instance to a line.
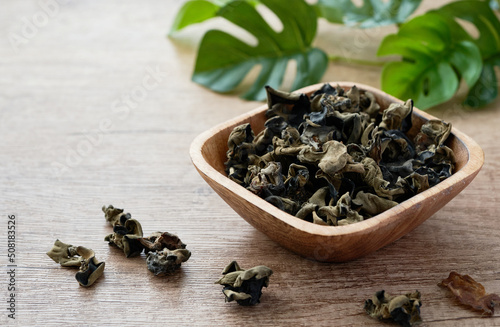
[196, 11]
[485, 90]
[370, 14]
[224, 60]
[436, 52]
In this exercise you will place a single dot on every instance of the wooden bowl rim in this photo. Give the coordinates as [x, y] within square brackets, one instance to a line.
[385, 218]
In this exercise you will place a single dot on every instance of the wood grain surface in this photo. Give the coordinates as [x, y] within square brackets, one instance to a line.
[97, 108]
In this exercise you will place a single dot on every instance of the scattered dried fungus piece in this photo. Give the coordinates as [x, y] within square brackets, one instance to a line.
[64, 254]
[158, 241]
[244, 286]
[165, 252]
[166, 261]
[126, 237]
[403, 309]
[114, 215]
[90, 269]
[470, 292]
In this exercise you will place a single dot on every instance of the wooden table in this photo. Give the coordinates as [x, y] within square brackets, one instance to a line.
[79, 132]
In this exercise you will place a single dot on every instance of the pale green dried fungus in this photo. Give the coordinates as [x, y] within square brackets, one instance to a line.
[334, 143]
[402, 309]
[244, 286]
[67, 255]
[113, 215]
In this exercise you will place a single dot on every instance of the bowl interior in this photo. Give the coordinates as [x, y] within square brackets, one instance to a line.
[208, 153]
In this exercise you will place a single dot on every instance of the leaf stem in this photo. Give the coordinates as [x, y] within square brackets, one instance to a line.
[355, 61]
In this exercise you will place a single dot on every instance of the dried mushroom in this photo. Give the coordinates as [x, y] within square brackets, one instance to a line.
[471, 293]
[158, 241]
[67, 255]
[402, 309]
[126, 236]
[165, 252]
[244, 286]
[113, 215]
[334, 158]
[166, 261]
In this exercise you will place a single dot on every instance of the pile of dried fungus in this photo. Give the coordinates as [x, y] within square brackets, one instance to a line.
[335, 158]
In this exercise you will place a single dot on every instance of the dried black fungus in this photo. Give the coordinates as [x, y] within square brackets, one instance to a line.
[114, 215]
[244, 286]
[165, 251]
[67, 255]
[334, 158]
[166, 261]
[126, 236]
[402, 309]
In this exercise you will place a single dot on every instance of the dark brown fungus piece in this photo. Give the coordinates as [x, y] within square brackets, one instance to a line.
[127, 237]
[402, 309]
[471, 293]
[90, 269]
[158, 241]
[166, 261]
[244, 286]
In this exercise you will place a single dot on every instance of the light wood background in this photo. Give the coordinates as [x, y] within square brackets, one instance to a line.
[73, 74]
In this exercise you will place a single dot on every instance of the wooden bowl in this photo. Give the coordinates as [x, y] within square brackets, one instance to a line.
[332, 243]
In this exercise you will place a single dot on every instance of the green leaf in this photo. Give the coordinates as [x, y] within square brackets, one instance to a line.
[435, 56]
[486, 88]
[193, 12]
[484, 19]
[223, 60]
[371, 13]
[479, 13]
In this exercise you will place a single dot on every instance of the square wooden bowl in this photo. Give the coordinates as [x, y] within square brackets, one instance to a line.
[332, 243]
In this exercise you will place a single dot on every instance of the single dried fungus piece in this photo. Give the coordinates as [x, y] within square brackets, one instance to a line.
[244, 286]
[127, 237]
[432, 133]
[332, 159]
[273, 127]
[114, 215]
[287, 205]
[402, 309]
[166, 261]
[397, 116]
[158, 241]
[371, 204]
[471, 293]
[64, 254]
[90, 269]
[267, 181]
[342, 213]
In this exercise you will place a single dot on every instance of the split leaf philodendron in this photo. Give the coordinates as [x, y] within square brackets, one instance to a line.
[436, 51]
